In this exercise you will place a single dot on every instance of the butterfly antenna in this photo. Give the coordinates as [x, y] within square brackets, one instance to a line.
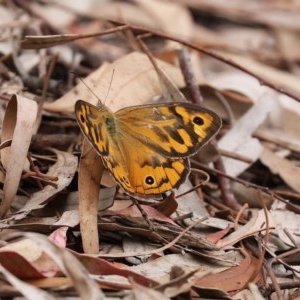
[81, 79]
[111, 80]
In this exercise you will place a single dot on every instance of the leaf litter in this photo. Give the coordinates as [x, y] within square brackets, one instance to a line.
[63, 236]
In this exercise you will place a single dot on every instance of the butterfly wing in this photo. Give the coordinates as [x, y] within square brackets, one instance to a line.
[95, 123]
[157, 141]
[141, 171]
[146, 147]
[171, 129]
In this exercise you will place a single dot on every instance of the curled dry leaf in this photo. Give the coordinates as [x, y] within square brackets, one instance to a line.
[18, 126]
[256, 224]
[99, 266]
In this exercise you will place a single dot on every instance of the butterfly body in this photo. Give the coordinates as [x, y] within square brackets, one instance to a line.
[146, 147]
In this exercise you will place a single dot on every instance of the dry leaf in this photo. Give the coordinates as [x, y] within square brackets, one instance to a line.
[124, 82]
[256, 224]
[234, 278]
[287, 170]
[64, 168]
[90, 172]
[27, 290]
[239, 139]
[18, 125]
[70, 266]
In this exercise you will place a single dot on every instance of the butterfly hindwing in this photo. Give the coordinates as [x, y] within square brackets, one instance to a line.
[143, 172]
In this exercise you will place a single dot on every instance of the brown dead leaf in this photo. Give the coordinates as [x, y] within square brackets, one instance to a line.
[167, 206]
[232, 279]
[215, 237]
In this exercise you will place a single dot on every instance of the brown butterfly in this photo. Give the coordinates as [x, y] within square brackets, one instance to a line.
[146, 148]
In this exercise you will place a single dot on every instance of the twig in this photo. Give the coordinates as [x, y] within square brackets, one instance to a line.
[62, 39]
[249, 184]
[268, 267]
[196, 97]
[188, 74]
[227, 195]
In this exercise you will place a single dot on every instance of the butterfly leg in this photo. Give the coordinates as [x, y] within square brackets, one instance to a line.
[144, 215]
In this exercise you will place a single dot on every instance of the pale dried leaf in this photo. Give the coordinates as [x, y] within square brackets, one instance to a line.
[129, 85]
[156, 14]
[18, 125]
[286, 221]
[239, 139]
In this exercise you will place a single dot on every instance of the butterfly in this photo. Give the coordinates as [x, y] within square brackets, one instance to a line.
[146, 148]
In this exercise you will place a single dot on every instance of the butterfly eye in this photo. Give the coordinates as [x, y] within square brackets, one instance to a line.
[149, 180]
[198, 121]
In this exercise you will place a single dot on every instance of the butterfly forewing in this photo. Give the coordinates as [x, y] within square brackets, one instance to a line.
[171, 129]
[93, 123]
